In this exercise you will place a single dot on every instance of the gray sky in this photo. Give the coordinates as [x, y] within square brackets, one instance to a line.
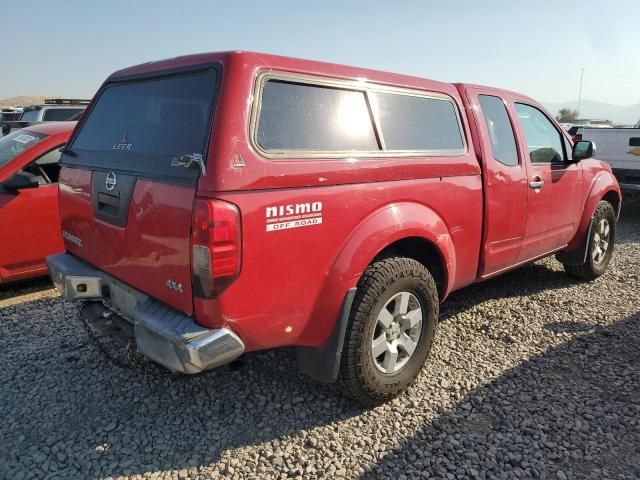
[538, 48]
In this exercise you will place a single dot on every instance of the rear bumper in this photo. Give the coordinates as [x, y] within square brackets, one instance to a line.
[628, 179]
[162, 333]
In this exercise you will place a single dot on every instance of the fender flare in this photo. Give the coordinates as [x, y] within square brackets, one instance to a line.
[383, 227]
[376, 232]
[603, 183]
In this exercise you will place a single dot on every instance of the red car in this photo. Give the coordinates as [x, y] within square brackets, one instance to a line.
[29, 220]
[222, 203]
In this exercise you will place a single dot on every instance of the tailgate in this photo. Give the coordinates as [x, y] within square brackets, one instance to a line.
[619, 147]
[126, 191]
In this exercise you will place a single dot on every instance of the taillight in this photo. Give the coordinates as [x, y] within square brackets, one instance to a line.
[215, 247]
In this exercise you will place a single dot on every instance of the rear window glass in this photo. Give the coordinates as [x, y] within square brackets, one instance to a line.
[60, 114]
[311, 117]
[499, 128]
[411, 122]
[166, 116]
[15, 143]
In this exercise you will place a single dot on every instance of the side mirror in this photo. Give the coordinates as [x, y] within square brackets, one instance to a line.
[19, 181]
[583, 150]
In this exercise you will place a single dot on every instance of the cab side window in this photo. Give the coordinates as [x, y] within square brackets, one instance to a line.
[543, 139]
[46, 167]
[314, 118]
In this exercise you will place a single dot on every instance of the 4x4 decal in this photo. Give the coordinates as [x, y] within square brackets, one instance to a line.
[175, 286]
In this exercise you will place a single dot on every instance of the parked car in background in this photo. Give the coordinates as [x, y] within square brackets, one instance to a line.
[8, 114]
[575, 130]
[217, 204]
[620, 148]
[52, 110]
[29, 220]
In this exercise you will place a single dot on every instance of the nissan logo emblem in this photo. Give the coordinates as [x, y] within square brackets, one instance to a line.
[111, 181]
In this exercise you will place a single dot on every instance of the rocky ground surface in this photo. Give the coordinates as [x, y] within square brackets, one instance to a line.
[533, 375]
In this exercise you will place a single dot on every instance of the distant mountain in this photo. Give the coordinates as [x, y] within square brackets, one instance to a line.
[599, 110]
[23, 100]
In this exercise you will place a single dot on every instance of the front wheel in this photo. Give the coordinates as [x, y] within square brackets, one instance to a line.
[600, 244]
[390, 330]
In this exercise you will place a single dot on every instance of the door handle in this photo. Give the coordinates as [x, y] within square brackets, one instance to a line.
[537, 182]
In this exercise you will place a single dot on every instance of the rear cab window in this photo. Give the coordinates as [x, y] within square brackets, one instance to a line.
[302, 117]
[499, 129]
[141, 125]
[60, 114]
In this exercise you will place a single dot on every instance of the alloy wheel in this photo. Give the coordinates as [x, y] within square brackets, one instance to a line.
[601, 241]
[397, 331]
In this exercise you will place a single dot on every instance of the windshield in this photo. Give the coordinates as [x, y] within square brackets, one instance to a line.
[30, 116]
[17, 142]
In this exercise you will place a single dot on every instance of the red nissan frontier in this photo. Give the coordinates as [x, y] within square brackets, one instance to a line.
[224, 203]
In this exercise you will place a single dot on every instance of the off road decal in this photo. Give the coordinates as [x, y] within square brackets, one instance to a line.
[294, 215]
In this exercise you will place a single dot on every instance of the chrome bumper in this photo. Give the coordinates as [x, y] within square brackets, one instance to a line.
[162, 333]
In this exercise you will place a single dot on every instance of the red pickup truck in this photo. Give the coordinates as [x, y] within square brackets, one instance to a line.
[223, 203]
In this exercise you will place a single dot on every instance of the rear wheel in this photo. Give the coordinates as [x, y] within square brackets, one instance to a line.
[390, 330]
[600, 246]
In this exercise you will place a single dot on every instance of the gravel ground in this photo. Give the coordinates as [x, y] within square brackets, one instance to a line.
[533, 375]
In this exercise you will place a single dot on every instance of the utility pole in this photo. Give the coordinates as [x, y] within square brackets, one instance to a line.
[580, 92]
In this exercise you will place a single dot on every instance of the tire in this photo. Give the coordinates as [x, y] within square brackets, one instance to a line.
[598, 257]
[394, 284]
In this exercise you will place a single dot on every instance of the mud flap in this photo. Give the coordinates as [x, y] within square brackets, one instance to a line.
[323, 363]
[577, 256]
